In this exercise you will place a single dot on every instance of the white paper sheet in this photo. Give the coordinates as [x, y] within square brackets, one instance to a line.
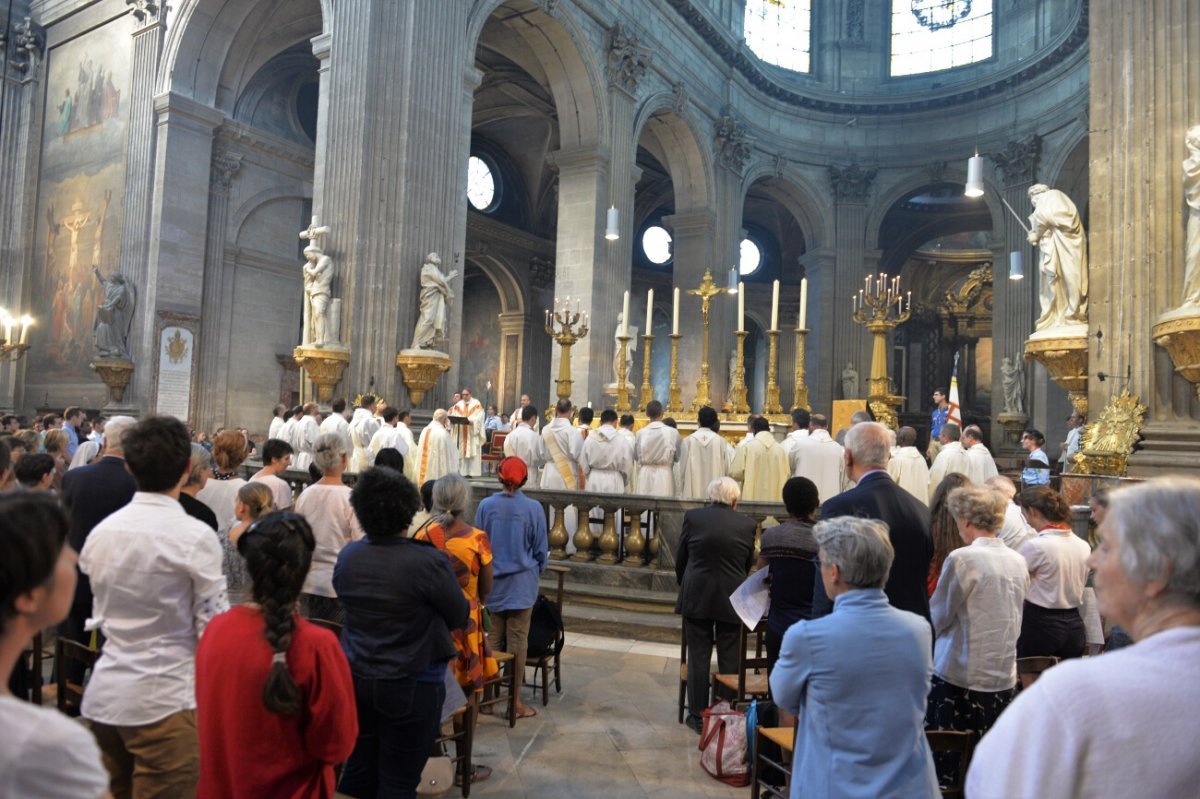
[752, 598]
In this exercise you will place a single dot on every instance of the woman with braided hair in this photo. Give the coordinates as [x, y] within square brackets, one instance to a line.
[274, 696]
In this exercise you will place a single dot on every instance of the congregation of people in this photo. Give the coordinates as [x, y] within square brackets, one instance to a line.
[904, 585]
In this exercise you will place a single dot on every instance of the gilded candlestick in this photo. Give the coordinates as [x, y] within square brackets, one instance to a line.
[737, 392]
[674, 394]
[647, 389]
[879, 307]
[800, 389]
[706, 291]
[622, 375]
[772, 406]
[572, 327]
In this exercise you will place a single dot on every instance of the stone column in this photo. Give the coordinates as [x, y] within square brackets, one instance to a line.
[1143, 97]
[215, 328]
[508, 374]
[20, 136]
[851, 189]
[692, 236]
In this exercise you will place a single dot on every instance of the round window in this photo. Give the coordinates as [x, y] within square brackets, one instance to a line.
[751, 258]
[656, 244]
[481, 184]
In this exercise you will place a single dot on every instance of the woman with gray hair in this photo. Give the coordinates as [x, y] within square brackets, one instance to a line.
[861, 675]
[198, 477]
[716, 551]
[326, 506]
[1123, 723]
[976, 612]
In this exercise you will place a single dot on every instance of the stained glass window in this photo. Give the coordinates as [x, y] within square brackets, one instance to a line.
[778, 31]
[932, 35]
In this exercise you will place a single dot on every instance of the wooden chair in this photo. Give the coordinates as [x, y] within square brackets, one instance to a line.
[682, 670]
[69, 694]
[750, 681]
[785, 739]
[28, 672]
[462, 733]
[506, 677]
[495, 451]
[1029, 669]
[953, 742]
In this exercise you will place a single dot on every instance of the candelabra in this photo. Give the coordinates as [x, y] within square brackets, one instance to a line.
[14, 350]
[647, 389]
[737, 392]
[800, 389]
[880, 307]
[573, 327]
[623, 372]
[674, 394]
[706, 291]
[772, 407]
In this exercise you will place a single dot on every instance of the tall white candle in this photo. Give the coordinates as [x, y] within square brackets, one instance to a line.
[25, 323]
[649, 311]
[775, 305]
[741, 306]
[803, 302]
[625, 316]
[675, 319]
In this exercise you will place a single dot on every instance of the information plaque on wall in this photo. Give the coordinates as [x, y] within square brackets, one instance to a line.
[175, 350]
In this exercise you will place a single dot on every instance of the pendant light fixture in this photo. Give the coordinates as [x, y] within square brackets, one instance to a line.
[1016, 265]
[974, 176]
[612, 230]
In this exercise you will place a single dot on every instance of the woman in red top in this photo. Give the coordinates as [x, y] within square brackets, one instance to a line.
[274, 699]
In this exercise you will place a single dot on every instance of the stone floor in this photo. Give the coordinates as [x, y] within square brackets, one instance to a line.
[611, 733]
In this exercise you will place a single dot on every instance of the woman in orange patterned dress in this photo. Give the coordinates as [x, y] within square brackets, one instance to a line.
[471, 558]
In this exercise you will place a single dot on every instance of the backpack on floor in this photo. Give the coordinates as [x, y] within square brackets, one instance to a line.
[545, 630]
[723, 745]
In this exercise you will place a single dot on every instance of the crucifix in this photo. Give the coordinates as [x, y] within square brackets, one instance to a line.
[314, 233]
[75, 223]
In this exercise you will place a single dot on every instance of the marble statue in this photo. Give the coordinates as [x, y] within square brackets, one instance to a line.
[849, 382]
[318, 278]
[632, 333]
[114, 315]
[1013, 374]
[1191, 193]
[435, 303]
[732, 369]
[1055, 228]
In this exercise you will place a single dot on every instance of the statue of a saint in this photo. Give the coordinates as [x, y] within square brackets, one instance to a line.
[849, 382]
[1014, 386]
[435, 303]
[733, 369]
[1191, 193]
[318, 277]
[114, 315]
[632, 333]
[1055, 228]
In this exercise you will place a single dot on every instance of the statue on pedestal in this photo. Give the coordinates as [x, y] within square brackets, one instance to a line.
[114, 315]
[1014, 386]
[1191, 194]
[436, 297]
[849, 382]
[632, 333]
[1055, 228]
[318, 279]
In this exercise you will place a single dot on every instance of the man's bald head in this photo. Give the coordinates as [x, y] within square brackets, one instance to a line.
[868, 444]
[906, 437]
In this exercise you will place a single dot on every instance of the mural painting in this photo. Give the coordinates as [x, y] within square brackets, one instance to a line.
[479, 361]
[79, 196]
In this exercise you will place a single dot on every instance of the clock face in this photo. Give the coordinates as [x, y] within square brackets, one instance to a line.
[481, 184]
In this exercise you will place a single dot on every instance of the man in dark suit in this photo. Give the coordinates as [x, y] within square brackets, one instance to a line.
[91, 493]
[878, 496]
[716, 552]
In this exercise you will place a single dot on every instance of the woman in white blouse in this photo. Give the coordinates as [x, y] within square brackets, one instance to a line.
[976, 613]
[326, 506]
[1051, 624]
[220, 492]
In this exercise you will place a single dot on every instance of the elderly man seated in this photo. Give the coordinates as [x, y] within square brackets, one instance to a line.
[858, 678]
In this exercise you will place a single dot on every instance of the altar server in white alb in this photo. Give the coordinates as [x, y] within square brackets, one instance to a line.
[469, 438]
[336, 422]
[907, 466]
[801, 419]
[362, 429]
[820, 459]
[983, 465]
[288, 431]
[607, 458]
[564, 444]
[526, 444]
[388, 435]
[305, 436]
[950, 458]
[703, 456]
[760, 465]
[436, 455]
[656, 451]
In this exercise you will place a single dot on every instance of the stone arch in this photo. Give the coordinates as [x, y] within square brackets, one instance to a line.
[1068, 170]
[500, 351]
[245, 209]
[557, 42]
[914, 180]
[814, 215]
[508, 286]
[681, 144]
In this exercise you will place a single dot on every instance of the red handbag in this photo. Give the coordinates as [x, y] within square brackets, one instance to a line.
[723, 745]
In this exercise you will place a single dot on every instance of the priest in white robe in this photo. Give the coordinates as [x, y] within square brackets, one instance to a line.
[336, 422]
[606, 458]
[287, 432]
[760, 465]
[515, 416]
[305, 436]
[983, 465]
[801, 419]
[362, 429]
[436, 455]
[704, 456]
[388, 436]
[625, 431]
[820, 459]
[563, 446]
[469, 438]
[524, 443]
[656, 450]
[907, 466]
[278, 416]
[950, 458]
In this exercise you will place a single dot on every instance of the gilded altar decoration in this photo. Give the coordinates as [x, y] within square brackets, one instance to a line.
[1109, 441]
[420, 370]
[1178, 332]
[115, 372]
[1064, 353]
[880, 306]
[324, 367]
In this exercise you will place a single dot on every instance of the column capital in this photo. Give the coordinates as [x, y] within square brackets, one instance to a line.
[322, 46]
[627, 60]
[852, 183]
[687, 222]
[1018, 161]
[578, 159]
[731, 144]
[817, 260]
[173, 107]
[225, 167]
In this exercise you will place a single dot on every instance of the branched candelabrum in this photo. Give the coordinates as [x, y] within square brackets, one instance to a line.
[880, 306]
[572, 327]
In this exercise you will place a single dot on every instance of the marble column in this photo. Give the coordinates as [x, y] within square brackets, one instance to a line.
[1144, 95]
[20, 134]
[851, 190]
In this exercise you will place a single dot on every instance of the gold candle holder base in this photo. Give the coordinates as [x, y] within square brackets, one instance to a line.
[674, 393]
[647, 389]
[623, 376]
[737, 392]
[800, 388]
[772, 409]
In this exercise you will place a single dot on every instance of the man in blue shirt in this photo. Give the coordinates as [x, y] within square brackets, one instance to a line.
[1036, 470]
[72, 419]
[516, 528]
[858, 678]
